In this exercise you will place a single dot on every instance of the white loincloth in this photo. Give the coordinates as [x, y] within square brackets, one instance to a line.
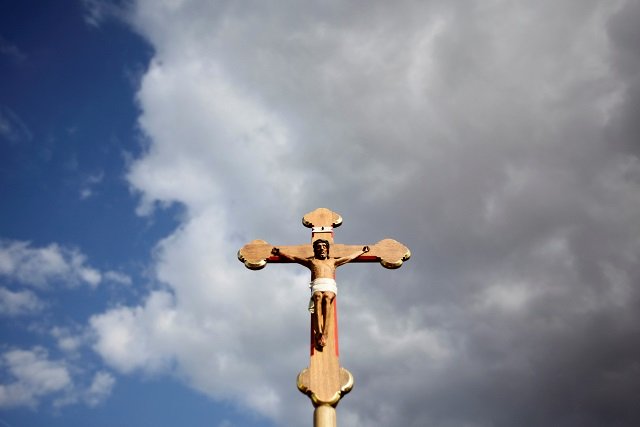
[321, 284]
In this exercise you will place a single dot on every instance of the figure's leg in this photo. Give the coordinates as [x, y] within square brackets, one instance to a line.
[315, 317]
[327, 299]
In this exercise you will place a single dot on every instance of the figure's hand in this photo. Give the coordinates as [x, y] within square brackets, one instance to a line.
[275, 251]
[365, 249]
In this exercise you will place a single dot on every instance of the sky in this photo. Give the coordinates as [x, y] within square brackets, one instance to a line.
[143, 142]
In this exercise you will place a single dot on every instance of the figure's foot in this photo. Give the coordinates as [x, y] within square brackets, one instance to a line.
[323, 340]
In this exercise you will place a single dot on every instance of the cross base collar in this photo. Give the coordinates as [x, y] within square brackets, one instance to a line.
[346, 385]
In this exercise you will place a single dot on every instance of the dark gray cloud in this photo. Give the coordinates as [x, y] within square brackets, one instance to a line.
[625, 60]
[498, 140]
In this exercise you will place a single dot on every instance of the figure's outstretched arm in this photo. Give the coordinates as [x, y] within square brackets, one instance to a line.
[293, 258]
[346, 259]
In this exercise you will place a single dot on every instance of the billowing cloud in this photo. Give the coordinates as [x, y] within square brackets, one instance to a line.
[32, 376]
[100, 388]
[13, 303]
[496, 139]
[67, 340]
[117, 277]
[43, 266]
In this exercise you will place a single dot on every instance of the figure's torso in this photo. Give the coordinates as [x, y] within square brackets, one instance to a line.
[322, 268]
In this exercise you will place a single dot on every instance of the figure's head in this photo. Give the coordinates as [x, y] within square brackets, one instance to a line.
[321, 249]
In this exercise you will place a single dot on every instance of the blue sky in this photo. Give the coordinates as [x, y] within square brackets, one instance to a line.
[143, 142]
[69, 131]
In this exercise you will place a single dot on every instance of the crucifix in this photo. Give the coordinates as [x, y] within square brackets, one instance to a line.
[324, 381]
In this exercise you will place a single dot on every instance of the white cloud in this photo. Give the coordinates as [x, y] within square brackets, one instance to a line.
[13, 303]
[43, 266]
[100, 388]
[34, 376]
[129, 338]
[117, 277]
[96, 12]
[66, 340]
[209, 320]
[199, 172]
[89, 183]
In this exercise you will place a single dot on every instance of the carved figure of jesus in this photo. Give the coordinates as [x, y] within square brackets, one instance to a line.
[323, 284]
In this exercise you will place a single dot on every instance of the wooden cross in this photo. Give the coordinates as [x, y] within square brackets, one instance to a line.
[324, 381]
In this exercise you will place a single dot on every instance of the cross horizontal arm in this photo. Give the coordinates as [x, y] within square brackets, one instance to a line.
[256, 254]
[388, 252]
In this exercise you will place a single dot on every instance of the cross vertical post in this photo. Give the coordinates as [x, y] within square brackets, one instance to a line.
[324, 381]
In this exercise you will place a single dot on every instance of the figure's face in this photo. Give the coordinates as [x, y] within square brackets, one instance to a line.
[321, 250]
